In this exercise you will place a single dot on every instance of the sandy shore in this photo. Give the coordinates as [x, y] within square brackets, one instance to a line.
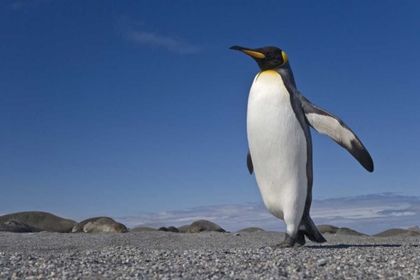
[166, 255]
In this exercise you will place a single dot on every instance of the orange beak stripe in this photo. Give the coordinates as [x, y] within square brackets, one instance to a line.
[254, 54]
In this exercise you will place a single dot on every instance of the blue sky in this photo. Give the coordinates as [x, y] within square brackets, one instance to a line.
[134, 108]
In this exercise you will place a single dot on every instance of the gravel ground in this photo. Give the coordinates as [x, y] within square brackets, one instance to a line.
[210, 255]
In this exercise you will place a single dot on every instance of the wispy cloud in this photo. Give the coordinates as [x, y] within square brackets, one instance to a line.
[155, 40]
[369, 214]
[17, 5]
[145, 35]
[21, 5]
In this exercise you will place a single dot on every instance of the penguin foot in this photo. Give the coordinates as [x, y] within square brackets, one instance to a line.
[290, 242]
[300, 239]
[282, 245]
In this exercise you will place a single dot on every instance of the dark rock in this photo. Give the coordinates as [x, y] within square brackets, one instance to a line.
[163, 229]
[43, 220]
[327, 229]
[100, 224]
[204, 225]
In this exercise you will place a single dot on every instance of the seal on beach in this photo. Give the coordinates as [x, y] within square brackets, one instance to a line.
[251, 229]
[143, 229]
[397, 231]
[280, 145]
[43, 220]
[172, 229]
[204, 225]
[414, 228]
[184, 228]
[100, 224]
[17, 226]
[327, 229]
[349, 231]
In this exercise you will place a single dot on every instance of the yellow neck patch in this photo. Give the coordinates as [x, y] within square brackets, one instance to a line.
[271, 72]
[285, 58]
[266, 72]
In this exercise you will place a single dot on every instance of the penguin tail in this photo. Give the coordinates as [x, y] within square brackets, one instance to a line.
[308, 227]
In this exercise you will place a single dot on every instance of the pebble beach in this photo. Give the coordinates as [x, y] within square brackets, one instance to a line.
[207, 255]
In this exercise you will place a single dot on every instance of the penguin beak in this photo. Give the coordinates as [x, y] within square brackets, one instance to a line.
[249, 52]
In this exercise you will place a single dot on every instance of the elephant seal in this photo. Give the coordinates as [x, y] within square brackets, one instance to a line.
[348, 231]
[142, 229]
[396, 231]
[173, 229]
[184, 228]
[16, 226]
[204, 225]
[414, 228]
[170, 229]
[100, 224]
[251, 229]
[327, 229]
[43, 220]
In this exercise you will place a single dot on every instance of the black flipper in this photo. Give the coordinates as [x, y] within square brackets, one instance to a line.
[308, 227]
[249, 163]
[328, 124]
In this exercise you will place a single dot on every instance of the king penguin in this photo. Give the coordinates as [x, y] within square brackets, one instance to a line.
[280, 145]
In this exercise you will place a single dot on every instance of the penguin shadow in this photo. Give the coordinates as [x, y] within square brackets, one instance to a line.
[345, 246]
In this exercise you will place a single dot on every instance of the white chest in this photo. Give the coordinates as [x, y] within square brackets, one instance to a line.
[277, 143]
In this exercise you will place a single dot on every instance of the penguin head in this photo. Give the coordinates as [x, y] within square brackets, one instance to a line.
[268, 58]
